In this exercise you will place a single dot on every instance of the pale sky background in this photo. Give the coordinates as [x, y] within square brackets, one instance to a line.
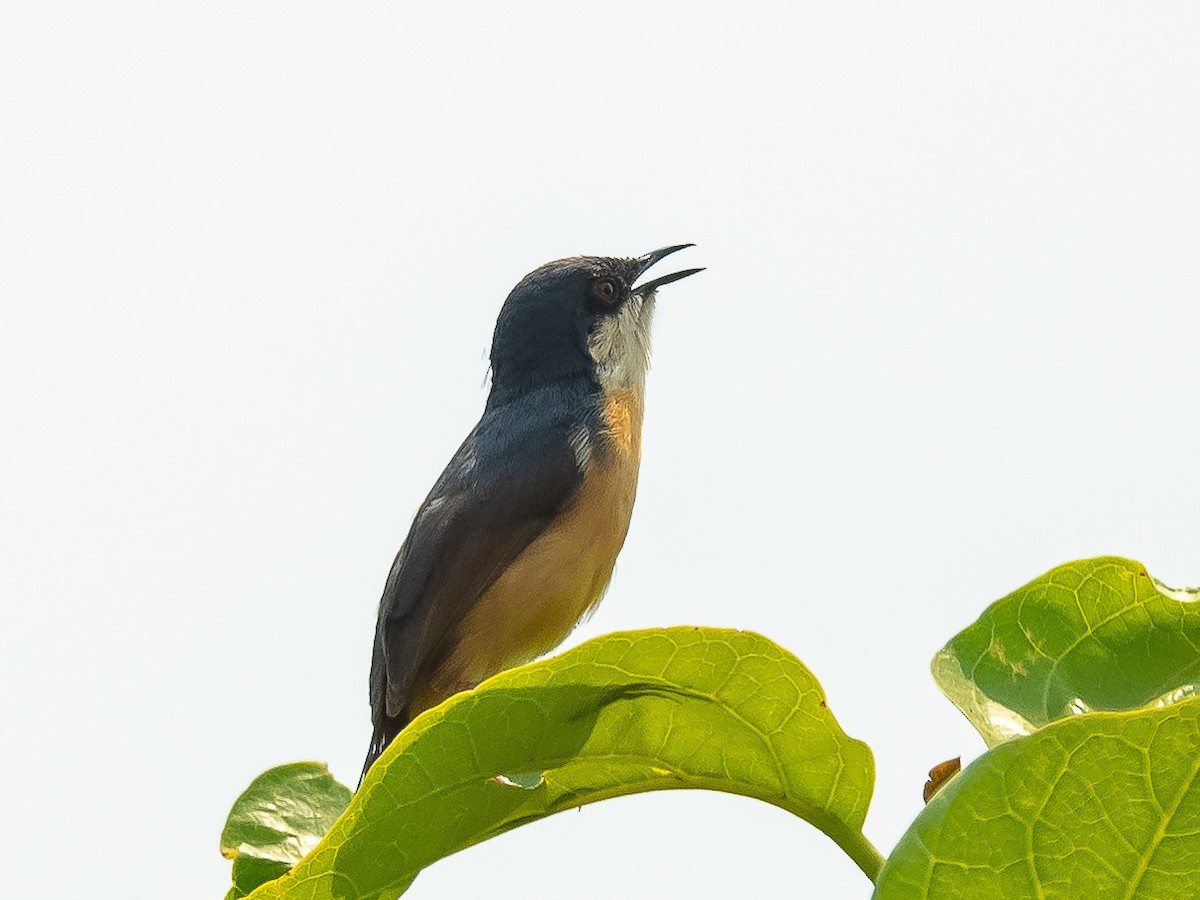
[251, 255]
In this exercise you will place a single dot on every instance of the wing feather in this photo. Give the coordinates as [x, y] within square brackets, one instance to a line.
[501, 490]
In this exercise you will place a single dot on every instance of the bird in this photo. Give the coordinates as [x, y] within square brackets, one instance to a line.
[516, 542]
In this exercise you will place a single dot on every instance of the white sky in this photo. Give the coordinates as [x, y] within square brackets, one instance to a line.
[250, 260]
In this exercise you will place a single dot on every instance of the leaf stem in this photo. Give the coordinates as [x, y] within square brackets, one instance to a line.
[863, 852]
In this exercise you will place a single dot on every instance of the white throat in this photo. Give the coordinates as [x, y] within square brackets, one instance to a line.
[620, 344]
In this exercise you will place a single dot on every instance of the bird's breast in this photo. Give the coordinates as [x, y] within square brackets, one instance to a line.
[560, 577]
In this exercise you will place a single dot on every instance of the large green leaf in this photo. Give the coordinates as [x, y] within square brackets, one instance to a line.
[278, 820]
[1099, 634]
[1095, 806]
[638, 711]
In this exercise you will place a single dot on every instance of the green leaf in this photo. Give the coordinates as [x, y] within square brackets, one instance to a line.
[1095, 806]
[1099, 634]
[277, 820]
[624, 713]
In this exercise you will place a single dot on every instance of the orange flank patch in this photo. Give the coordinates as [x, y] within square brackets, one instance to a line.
[623, 418]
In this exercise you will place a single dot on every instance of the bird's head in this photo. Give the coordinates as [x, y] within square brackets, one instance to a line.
[580, 317]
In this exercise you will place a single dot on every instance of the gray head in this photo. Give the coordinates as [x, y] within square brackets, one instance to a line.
[580, 317]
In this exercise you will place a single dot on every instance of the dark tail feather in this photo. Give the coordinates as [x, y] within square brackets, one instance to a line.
[373, 752]
[386, 727]
[383, 735]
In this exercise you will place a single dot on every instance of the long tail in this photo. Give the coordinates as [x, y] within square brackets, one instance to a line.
[384, 733]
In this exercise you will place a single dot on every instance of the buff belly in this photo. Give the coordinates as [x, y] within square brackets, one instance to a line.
[561, 576]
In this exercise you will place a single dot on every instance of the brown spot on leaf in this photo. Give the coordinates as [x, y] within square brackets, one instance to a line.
[940, 774]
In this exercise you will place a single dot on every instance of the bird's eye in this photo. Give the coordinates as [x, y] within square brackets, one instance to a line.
[604, 290]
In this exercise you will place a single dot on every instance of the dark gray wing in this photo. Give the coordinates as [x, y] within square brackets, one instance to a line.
[515, 471]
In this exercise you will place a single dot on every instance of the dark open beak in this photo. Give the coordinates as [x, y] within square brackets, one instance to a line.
[650, 259]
